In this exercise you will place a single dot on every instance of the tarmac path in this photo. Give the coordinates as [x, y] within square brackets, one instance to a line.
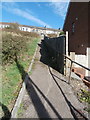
[48, 95]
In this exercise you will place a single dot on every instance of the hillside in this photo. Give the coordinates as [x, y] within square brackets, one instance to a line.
[17, 49]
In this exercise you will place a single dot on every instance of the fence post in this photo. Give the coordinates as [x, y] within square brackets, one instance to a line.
[66, 43]
[72, 56]
[88, 62]
[70, 73]
[88, 72]
[66, 70]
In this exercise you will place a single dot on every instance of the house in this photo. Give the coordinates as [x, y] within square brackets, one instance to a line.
[77, 23]
[39, 30]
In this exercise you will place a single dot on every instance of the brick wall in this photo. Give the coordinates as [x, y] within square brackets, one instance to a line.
[89, 24]
[77, 17]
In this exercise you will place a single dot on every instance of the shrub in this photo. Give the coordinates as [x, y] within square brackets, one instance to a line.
[14, 41]
[14, 26]
[85, 96]
[23, 33]
[62, 33]
[52, 35]
[11, 46]
[28, 34]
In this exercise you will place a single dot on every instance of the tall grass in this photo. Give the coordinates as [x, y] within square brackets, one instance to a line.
[11, 77]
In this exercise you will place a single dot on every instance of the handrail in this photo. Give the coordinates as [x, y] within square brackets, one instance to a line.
[71, 62]
[77, 63]
[71, 67]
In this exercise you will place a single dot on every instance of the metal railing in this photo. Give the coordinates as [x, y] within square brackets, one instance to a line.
[71, 66]
[72, 61]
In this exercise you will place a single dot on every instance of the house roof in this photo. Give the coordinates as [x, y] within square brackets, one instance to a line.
[42, 28]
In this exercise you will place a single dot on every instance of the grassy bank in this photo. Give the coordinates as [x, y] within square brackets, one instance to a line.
[11, 74]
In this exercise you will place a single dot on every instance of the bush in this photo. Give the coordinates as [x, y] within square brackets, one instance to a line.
[14, 26]
[85, 96]
[62, 33]
[29, 34]
[11, 46]
[52, 35]
[14, 41]
[22, 33]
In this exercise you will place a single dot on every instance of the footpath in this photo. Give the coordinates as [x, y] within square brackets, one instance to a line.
[48, 95]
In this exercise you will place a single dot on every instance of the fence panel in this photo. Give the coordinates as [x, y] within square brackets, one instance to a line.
[56, 49]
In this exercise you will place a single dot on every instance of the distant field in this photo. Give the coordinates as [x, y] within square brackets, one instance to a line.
[17, 52]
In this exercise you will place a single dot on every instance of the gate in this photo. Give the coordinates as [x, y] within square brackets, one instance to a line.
[55, 48]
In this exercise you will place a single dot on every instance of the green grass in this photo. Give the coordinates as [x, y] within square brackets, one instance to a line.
[85, 96]
[20, 110]
[11, 77]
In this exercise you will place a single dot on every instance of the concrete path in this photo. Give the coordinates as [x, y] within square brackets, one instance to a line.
[48, 95]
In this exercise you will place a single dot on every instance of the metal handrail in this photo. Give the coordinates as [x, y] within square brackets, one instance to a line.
[77, 63]
[71, 66]
[71, 63]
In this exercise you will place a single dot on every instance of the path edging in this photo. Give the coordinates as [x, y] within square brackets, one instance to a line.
[22, 91]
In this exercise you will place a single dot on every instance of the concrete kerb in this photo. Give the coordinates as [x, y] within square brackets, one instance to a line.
[22, 91]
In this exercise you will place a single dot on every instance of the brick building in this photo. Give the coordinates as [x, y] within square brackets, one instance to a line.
[77, 23]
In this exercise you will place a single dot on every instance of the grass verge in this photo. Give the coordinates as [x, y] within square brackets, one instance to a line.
[11, 76]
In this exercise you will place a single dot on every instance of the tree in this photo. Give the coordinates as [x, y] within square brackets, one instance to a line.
[62, 33]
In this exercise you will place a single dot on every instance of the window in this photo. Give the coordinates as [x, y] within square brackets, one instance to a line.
[36, 30]
[73, 27]
[1, 26]
[33, 30]
[26, 29]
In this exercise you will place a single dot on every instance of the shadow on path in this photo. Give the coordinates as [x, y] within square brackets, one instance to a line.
[59, 78]
[52, 50]
[44, 54]
[46, 57]
[30, 87]
[7, 113]
[76, 113]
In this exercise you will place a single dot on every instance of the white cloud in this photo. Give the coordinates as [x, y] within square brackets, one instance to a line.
[27, 14]
[29, 17]
[8, 6]
[59, 8]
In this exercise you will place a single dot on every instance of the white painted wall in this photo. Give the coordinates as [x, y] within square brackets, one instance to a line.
[56, 32]
[88, 62]
[49, 32]
[81, 59]
[22, 28]
[3, 26]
